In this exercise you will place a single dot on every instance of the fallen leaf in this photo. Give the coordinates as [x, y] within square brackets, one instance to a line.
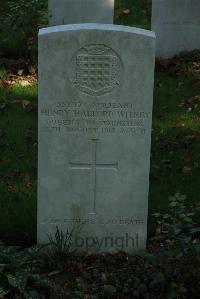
[25, 103]
[29, 106]
[126, 11]
[191, 102]
[186, 169]
[53, 273]
[196, 67]
[27, 180]
[24, 83]
[1, 84]
[103, 276]
[12, 189]
[20, 72]
[31, 70]
[178, 126]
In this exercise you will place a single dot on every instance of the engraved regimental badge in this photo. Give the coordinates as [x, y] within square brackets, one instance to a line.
[97, 70]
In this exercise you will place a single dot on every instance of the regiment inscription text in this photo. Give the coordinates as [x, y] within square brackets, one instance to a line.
[104, 118]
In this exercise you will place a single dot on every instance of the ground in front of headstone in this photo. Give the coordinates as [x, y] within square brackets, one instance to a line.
[59, 272]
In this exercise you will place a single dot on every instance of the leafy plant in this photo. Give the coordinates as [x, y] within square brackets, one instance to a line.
[177, 228]
[28, 284]
[177, 248]
[20, 272]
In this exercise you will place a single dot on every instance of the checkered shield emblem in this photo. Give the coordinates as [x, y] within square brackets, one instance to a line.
[97, 72]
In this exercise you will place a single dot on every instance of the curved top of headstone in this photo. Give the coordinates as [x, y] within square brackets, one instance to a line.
[177, 26]
[93, 26]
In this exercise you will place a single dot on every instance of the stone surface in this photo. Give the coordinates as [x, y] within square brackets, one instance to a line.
[80, 11]
[95, 107]
[177, 26]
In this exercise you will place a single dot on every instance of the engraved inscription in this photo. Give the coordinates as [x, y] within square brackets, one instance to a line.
[122, 221]
[102, 118]
[97, 70]
[94, 166]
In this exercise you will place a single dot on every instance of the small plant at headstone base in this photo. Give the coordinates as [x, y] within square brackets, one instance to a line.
[60, 247]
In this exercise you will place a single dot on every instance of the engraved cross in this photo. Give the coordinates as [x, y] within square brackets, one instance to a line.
[94, 166]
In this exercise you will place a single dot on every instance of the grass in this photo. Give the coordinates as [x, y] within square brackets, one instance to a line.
[175, 155]
[18, 164]
[175, 152]
[135, 13]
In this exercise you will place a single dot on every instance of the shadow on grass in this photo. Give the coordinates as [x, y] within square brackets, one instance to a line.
[18, 164]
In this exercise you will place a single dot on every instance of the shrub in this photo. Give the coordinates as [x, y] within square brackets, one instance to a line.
[20, 273]
[20, 21]
[176, 248]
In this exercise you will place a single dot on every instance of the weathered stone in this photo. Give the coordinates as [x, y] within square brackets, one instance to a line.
[177, 26]
[80, 11]
[95, 107]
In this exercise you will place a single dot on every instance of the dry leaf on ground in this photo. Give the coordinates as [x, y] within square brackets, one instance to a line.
[186, 169]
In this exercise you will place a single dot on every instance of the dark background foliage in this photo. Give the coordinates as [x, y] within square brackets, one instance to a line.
[20, 21]
[19, 24]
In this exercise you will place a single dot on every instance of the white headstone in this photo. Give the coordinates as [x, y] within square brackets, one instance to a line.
[95, 107]
[80, 11]
[177, 26]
